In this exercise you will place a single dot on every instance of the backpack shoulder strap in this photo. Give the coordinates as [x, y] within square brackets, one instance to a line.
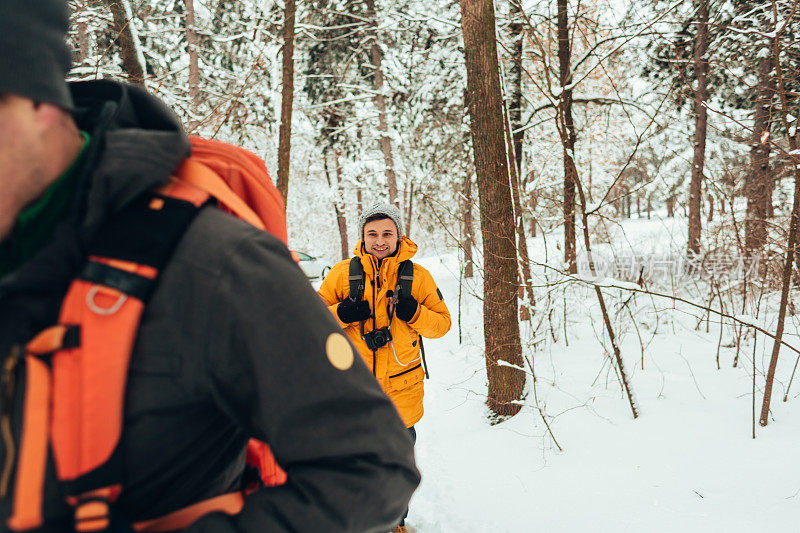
[199, 175]
[356, 277]
[405, 278]
[84, 362]
[87, 355]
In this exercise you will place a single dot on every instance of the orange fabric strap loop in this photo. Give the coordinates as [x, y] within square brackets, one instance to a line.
[29, 482]
[89, 381]
[204, 178]
[230, 503]
[48, 341]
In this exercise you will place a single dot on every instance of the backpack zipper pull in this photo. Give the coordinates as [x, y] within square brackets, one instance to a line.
[8, 382]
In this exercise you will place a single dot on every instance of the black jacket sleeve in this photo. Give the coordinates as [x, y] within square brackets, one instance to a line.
[348, 457]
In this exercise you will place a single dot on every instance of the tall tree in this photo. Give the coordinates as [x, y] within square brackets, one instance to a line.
[566, 128]
[126, 36]
[758, 180]
[779, 28]
[515, 137]
[487, 123]
[338, 202]
[701, 125]
[287, 101]
[192, 47]
[376, 57]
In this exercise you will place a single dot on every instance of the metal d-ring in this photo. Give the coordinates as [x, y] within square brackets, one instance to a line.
[100, 310]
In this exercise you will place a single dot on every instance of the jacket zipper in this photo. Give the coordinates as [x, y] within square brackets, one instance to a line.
[8, 382]
[376, 280]
[406, 371]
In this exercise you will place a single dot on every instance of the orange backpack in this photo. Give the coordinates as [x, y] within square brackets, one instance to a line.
[76, 371]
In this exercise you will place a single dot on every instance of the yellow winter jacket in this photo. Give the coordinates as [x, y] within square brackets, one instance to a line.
[398, 370]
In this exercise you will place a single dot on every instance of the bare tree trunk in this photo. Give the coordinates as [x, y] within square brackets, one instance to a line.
[566, 128]
[710, 209]
[500, 323]
[409, 210]
[338, 202]
[525, 287]
[795, 217]
[130, 49]
[514, 138]
[649, 207]
[468, 237]
[670, 206]
[83, 42]
[194, 67]
[533, 202]
[287, 101]
[376, 56]
[758, 180]
[516, 29]
[701, 124]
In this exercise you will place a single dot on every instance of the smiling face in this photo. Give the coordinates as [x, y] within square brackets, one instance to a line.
[380, 237]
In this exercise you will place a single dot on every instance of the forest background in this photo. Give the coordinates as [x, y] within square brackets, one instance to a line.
[495, 126]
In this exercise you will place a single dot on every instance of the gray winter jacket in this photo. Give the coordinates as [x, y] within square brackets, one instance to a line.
[231, 346]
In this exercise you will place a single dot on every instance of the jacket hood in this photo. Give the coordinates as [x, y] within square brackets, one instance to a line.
[406, 249]
[137, 142]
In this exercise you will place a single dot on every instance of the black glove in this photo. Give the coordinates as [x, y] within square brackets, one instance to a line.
[406, 308]
[350, 311]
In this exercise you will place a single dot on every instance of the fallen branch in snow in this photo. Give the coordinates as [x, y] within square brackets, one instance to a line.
[541, 413]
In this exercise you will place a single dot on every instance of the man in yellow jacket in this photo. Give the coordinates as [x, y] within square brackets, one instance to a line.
[384, 314]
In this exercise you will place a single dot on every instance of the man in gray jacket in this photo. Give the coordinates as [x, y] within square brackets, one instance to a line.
[231, 346]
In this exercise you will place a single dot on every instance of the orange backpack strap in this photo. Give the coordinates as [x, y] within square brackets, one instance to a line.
[77, 371]
[246, 175]
[202, 177]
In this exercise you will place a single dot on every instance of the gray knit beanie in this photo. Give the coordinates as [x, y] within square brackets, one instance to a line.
[379, 208]
[34, 55]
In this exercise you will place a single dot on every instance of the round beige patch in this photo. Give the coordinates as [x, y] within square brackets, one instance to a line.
[339, 351]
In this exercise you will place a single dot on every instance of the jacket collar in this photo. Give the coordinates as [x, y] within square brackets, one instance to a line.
[406, 249]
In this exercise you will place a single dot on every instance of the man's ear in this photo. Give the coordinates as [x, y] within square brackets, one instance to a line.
[47, 114]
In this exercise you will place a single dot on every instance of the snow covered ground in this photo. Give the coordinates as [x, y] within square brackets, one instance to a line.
[688, 463]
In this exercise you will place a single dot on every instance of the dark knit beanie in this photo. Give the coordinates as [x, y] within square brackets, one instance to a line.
[34, 55]
[380, 208]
